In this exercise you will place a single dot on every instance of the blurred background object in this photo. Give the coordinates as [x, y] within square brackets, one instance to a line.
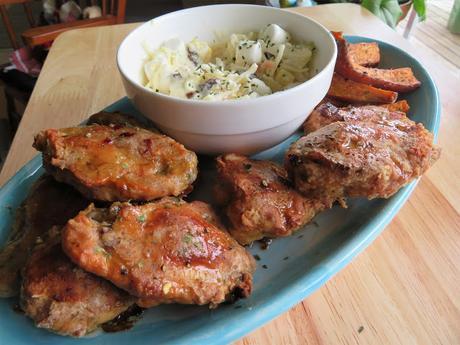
[454, 18]
[38, 27]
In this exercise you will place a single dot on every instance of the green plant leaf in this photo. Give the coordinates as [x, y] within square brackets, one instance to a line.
[387, 10]
[287, 3]
[420, 9]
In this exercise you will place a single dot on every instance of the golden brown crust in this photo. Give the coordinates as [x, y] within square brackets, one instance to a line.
[63, 298]
[398, 79]
[327, 113]
[401, 106]
[117, 162]
[259, 200]
[161, 252]
[360, 159]
[48, 203]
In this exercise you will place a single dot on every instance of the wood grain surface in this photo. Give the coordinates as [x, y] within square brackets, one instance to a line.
[404, 289]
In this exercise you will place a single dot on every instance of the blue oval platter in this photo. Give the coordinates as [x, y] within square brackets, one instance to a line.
[295, 266]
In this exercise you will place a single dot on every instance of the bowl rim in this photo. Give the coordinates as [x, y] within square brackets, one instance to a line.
[233, 102]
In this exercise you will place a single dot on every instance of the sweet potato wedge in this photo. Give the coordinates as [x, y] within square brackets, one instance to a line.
[398, 79]
[365, 54]
[401, 106]
[354, 92]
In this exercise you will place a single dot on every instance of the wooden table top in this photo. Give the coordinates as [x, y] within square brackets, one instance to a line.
[404, 289]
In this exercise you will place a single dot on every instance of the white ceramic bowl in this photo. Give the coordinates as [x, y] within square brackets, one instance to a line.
[243, 126]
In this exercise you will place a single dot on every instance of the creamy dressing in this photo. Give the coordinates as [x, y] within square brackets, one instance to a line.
[243, 66]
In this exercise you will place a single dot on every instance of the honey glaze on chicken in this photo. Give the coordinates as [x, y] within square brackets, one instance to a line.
[63, 298]
[327, 113]
[259, 199]
[116, 162]
[167, 251]
[360, 158]
[48, 203]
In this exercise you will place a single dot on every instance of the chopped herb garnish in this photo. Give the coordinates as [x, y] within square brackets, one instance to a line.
[198, 245]
[187, 238]
[269, 56]
[102, 251]
[141, 218]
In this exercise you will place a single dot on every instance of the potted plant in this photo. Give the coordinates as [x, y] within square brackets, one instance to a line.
[390, 11]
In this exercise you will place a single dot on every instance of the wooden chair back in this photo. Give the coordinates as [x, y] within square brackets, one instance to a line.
[113, 12]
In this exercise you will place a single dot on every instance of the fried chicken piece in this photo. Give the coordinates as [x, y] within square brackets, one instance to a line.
[259, 199]
[48, 203]
[111, 163]
[167, 251]
[63, 298]
[327, 113]
[360, 159]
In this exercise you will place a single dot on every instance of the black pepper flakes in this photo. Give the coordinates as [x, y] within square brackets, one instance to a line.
[265, 243]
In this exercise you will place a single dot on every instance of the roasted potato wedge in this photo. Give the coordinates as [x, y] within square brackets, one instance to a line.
[351, 91]
[365, 54]
[398, 79]
[401, 106]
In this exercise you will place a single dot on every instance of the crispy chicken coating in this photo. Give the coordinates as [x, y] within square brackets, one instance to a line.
[259, 199]
[117, 163]
[360, 159]
[64, 299]
[48, 203]
[167, 251]
[327, 113]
